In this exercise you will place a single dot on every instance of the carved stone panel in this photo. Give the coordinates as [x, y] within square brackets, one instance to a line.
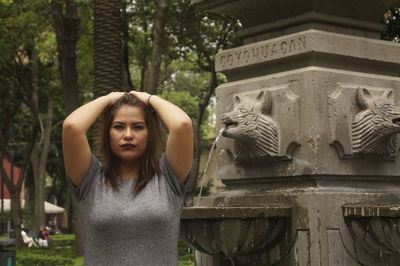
[375, 228]
[337, 253]
[233, 232]
[255, 124]
[364, 121]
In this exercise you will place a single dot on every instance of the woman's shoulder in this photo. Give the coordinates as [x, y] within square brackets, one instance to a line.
[90, 178]
[168, 173]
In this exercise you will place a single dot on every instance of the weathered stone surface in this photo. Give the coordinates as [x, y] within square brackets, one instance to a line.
[259, 10]
[256, 135]
[374, 129]
[310, 47]
[272, 18]
[366, 128]
[374, 227]
[270, 211]
[327, 107]
[325, 73]
[283, 106]
[260, 52]
[233, 232]
[364, 210]
[233, 237]
[319, 229]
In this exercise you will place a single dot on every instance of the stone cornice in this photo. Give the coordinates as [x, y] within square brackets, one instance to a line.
[310, 41]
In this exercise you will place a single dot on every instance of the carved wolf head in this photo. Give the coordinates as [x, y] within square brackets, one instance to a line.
[374, 128]
[255, 134]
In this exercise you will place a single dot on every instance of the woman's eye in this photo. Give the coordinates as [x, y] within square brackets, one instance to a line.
[118, 127]
[138, 127]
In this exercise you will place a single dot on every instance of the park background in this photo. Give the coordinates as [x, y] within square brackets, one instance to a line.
[58, 54]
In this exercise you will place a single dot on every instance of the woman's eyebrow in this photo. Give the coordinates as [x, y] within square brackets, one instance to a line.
[139, 123]
[118, 122]
[134, 123]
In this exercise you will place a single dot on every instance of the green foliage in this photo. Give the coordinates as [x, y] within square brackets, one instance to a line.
[196, 31]
[189, 103]
[20, 133]
[84, 51]
[63, 240]
[205, 190]
[392, 19]
[6, 2]
[46, 45]
[43, 260]
[190, 42]
[184, 100]
[182, 75]
[24, 26]
[60, 254]
[185, 253]
[140, 14]
[45, 257]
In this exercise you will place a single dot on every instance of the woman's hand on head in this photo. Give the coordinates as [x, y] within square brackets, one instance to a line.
[142, 96]
[114, 96]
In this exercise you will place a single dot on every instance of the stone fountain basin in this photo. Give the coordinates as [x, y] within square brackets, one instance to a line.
[234, 231]
[374, 227]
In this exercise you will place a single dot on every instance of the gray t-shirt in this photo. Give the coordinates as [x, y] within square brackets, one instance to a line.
[123, 229]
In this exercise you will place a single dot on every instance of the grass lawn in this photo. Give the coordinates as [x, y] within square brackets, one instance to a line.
[61, 253]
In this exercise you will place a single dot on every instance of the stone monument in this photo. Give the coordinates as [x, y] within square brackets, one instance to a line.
[310, 157]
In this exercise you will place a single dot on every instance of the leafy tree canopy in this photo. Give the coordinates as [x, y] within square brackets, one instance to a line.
[392, 19]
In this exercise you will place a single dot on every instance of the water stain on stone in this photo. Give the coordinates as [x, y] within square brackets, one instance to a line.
[313, 143]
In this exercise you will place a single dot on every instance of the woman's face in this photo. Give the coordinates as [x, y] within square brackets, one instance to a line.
[128, 133]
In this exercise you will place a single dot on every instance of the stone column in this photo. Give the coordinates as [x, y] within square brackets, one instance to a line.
[313, 116]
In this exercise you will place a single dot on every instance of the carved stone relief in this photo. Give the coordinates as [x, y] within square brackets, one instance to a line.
[254, 127]
[364, 122]
[374, 129]
[374, 227]
[256, 134]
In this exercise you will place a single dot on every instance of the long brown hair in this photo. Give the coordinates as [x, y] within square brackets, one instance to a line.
[148, 161]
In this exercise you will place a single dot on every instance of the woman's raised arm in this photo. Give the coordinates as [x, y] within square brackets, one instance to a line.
[179, 148]
[76, 149]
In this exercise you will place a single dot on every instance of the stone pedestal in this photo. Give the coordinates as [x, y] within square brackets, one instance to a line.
[312, 110]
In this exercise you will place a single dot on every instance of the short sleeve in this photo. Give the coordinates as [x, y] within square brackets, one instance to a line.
[173, 181]
[81, 191]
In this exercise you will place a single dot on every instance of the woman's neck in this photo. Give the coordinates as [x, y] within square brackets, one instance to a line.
[129, 170]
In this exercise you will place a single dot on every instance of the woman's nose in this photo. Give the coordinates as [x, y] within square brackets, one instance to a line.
[128, 134]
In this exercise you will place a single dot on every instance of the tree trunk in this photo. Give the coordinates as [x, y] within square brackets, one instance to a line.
[158, 34]
[38, 218]
[15, 189]
[126, 75]
[67, 31]
[24, 87]
[107, 53]
[39, 162]
[144, 65]
[16, 216]
[107, 47]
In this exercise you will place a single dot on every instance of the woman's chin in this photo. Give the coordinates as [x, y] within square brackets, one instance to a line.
[128, 157]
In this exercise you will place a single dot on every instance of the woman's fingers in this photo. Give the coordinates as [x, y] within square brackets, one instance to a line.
[114, 96]
[142, 96]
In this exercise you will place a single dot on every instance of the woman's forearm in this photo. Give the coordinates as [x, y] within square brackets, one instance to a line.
[83, 118]
[179, 148]
[76, 149]
[172, 116]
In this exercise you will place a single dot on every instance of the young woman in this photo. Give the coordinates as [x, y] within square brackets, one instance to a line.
[130, 200]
